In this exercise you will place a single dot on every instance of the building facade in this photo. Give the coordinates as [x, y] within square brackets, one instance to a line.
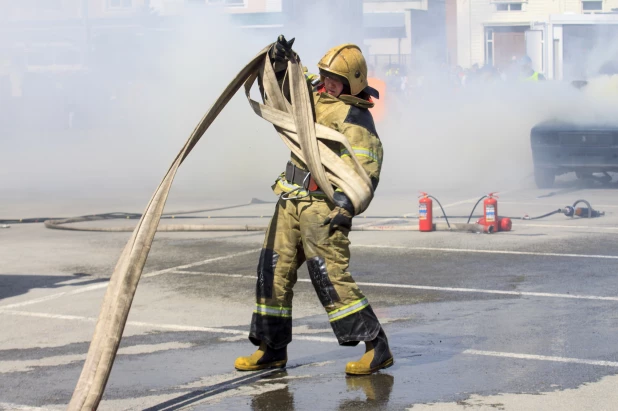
[61, 36]
[392, 32]
[551, 32]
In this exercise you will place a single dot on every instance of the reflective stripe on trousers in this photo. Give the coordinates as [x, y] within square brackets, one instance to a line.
[346, 310]
[274, 311]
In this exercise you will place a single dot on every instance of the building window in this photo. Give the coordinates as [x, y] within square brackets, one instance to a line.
[508, 6]
[489, 47]
[119, 4]
[592, 5]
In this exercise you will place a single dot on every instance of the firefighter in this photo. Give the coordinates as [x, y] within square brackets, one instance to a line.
[527, 73]
[307, 227]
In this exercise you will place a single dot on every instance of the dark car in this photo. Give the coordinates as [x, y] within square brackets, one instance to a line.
[561, 147]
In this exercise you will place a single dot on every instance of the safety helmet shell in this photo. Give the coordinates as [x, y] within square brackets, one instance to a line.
[346, 61]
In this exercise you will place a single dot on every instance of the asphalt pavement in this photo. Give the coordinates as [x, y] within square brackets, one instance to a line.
[520, 320]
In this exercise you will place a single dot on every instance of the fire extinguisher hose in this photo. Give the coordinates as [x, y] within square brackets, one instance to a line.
[443, 213]
[590, 211]
[474, 208]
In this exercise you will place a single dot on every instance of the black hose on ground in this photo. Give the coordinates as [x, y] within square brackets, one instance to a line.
[568, 211]
[135, 216]
[104, 216]
[537, 217]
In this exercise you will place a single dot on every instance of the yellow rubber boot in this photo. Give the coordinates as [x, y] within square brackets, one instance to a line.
[265, 357]
[377, 356]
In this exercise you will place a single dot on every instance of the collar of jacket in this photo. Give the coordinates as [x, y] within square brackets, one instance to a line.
[347, 99]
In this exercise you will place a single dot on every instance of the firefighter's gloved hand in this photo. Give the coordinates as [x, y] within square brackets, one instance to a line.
[338, 218]
[342, 214]
[279, 53]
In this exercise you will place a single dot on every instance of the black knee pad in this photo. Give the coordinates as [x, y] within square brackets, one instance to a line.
[322, 284]
[266, 273]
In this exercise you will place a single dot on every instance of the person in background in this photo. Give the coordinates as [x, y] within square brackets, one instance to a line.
[527, 73]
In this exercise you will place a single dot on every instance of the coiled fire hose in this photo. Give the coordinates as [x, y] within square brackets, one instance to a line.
[295, 125]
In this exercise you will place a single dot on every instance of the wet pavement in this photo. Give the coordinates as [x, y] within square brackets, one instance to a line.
[475, 321]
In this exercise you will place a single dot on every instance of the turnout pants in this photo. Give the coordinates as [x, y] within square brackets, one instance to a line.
[296, 234]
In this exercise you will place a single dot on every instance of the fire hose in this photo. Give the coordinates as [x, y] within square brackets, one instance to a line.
[569, 211]
[61, 223]
[125, 215]
[294, 123]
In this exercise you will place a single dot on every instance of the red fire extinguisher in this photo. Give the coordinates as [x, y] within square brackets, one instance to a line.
[425, 213]
[490, 206]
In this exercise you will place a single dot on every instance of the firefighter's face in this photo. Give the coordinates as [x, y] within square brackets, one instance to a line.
[333, 86]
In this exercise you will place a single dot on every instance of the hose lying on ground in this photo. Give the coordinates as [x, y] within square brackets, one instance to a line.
[58, 225]
[294, 123]
[568, 211]
[132, 216]
[61, 223]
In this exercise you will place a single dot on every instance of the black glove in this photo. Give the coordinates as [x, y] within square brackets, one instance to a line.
[280, 52]
[342, 214]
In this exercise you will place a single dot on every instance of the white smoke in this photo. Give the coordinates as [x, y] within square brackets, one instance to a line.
[476, 138]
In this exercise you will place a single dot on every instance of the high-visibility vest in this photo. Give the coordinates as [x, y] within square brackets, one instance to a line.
[533, 77]
[389, 72]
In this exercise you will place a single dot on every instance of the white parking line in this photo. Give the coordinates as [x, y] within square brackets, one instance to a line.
[174, 327]
[540, 358]
[555, 204]
[580, 227]
[104, 284]
[17, 407]
[483, 291]
[57, 295]
[170, 327]
[213, 274]
[432, 288]
[468, 250]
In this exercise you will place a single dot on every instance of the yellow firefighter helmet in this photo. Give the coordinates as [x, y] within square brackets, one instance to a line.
[346, 61]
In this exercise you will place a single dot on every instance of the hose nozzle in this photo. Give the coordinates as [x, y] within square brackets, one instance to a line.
[583, 212]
